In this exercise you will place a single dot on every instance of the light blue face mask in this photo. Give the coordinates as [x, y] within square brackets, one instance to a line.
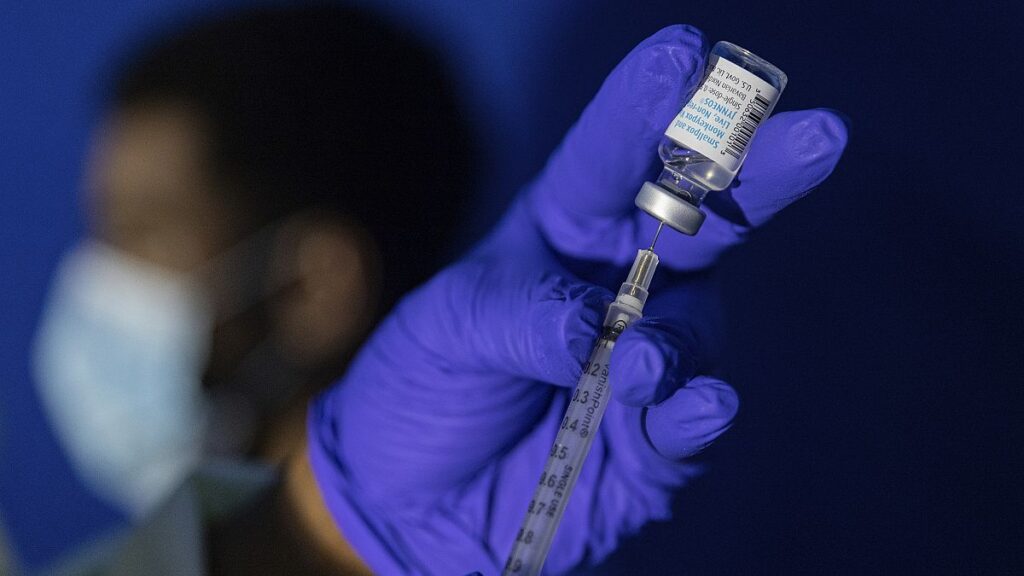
[118, 361]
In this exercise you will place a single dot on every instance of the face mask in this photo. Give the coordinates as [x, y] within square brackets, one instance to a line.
[118, 358]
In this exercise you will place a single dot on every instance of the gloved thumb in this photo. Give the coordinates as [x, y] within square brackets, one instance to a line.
[502, 319]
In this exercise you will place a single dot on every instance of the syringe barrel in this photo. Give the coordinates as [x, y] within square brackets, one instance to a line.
[579, 426]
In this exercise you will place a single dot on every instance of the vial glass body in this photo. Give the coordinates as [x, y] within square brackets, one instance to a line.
[707, 143]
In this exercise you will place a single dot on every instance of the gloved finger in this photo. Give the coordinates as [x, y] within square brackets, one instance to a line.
[792, 153]
[651, 360]
[494, 319]
[689, 420]
[679, 336]
[608, 153]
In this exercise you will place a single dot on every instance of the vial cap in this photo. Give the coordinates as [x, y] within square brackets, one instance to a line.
[669, 208]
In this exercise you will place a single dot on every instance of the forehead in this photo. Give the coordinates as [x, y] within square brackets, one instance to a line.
[159, 145]
[150, 191]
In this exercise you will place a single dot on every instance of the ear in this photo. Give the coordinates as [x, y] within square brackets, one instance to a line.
[333, 301]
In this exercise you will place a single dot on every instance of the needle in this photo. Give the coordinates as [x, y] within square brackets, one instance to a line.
[656, 234]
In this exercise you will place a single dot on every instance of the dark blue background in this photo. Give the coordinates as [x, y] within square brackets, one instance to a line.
[876, 328]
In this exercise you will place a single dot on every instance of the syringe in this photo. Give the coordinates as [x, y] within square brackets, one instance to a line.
[580, 424]
[694, 164]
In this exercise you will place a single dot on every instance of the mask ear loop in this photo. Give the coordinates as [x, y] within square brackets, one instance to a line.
[260, 385]
[245, 266]
[262, 380]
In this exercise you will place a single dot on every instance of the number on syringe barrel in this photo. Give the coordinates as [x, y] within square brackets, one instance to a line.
[581, 396]
[595, 369]
[526, 537]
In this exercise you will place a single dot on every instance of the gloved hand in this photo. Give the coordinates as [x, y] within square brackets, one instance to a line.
[429, 450]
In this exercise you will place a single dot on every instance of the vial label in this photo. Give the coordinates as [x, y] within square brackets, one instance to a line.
[721, 118]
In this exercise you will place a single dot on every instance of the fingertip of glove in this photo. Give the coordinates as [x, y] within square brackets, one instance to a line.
[683, 34]
[692, 418]
[841, 116]
[819, 134]
[795, 152]
[660, 71]
[582, 316]
[719, 399]
[638, 369]
[648, 365]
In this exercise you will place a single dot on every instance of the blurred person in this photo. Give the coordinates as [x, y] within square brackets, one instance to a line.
[260, 188]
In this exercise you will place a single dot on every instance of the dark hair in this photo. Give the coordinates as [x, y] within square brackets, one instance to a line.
[321, 108]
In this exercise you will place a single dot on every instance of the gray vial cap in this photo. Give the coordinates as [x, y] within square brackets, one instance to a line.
[669, 208]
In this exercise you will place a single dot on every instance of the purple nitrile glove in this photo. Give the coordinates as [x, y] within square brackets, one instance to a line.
[429, 450]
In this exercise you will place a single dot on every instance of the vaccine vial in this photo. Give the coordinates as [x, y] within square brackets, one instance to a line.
[706, 143]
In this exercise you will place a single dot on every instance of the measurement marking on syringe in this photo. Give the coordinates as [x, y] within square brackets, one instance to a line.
[582, 417]
[591, 401]
[577, 429]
